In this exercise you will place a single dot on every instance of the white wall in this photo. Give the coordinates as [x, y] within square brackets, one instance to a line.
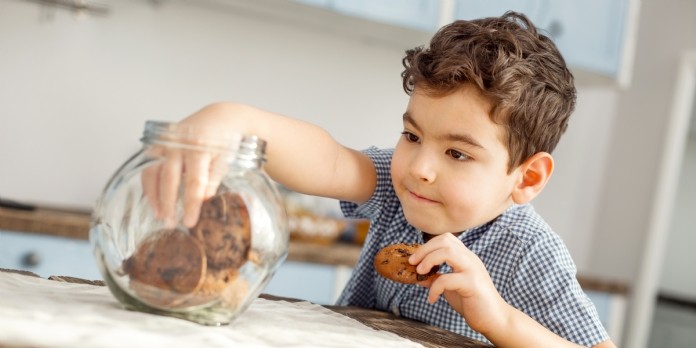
[678, 277]
[569, 201]
[74, 96]
[638, 139]
[628, 244]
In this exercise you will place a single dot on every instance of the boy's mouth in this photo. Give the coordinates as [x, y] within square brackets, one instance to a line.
[420, 198]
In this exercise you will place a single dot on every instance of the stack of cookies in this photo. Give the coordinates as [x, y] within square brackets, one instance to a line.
[178, 269]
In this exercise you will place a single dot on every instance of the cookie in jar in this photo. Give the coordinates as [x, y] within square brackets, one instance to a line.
[210, 272]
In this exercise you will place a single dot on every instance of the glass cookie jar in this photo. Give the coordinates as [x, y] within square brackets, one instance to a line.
[209, 273]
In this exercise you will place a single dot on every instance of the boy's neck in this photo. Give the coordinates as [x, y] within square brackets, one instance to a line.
[428, 236]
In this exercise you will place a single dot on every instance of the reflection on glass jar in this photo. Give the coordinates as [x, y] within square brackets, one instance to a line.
[211, 272]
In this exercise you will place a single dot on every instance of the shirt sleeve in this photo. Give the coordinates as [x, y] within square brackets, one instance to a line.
[381, 158]
[545, 287]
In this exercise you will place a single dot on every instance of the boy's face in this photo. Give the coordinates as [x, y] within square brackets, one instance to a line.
[450, 167]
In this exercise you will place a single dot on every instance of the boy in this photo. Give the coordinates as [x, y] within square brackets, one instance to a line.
[489, 100]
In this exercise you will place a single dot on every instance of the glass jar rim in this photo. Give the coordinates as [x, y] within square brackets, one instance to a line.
[176, 134]
[243, 147]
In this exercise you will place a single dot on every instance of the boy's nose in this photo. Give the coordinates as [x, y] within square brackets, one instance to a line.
[423, 166]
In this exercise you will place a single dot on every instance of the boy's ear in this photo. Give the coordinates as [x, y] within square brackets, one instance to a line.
[534, 174]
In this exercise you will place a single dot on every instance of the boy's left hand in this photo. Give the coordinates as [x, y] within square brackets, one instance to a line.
[468, 289]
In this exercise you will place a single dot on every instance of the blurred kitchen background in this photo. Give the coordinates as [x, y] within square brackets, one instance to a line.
[79, 78]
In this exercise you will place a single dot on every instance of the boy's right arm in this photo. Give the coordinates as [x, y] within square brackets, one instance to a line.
[301, 156]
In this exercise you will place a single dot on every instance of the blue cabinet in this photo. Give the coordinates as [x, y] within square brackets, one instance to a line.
[316, 283]
[591, 34]
[611, 308]
[48, 255]
[415, 14]
[594, 36]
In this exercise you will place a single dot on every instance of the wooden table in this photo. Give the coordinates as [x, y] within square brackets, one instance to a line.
[416, 331]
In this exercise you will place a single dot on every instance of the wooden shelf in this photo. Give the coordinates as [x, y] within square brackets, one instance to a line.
[75, 224]
[54, 222]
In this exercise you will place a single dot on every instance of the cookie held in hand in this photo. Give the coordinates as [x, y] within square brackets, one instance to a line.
[391, 262]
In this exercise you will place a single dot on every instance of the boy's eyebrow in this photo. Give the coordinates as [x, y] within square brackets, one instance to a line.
[449, 137]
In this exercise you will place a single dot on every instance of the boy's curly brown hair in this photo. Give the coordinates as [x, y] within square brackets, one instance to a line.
[513, 65]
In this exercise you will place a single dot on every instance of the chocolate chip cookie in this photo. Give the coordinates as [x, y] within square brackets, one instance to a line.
[167, 261]
[391, 262]
[224, 228]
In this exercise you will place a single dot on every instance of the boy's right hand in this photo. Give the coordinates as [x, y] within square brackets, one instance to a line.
[199, 171]
[193, 165]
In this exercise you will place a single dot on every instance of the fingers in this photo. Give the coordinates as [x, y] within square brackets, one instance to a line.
[468, 277]
[201, 173]
[218, 170]
[440, 283]
[428, 281]
[150, 180]
[197, 167]
[445, 248]
[169, 180]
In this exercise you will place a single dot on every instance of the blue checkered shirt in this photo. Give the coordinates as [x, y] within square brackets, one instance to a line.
[528, 263]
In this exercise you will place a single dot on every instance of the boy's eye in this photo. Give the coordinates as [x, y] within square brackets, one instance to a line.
[458, 155]
[410, 136]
